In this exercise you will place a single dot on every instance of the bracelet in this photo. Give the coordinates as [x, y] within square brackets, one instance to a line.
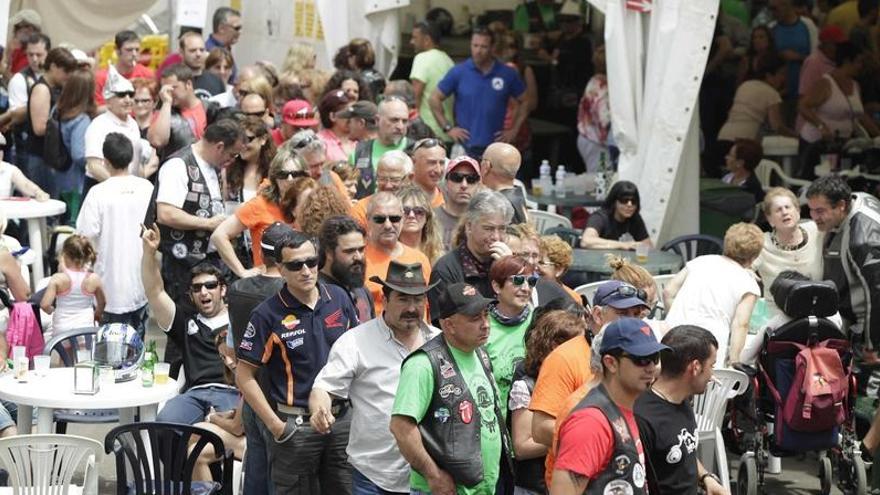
[702, 481]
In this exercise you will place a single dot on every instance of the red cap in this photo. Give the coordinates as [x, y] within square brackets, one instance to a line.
[463, 160]
[832, 34]
[299, 113]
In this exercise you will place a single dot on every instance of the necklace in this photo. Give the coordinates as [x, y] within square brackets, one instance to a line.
[661, 395]
[789, 247]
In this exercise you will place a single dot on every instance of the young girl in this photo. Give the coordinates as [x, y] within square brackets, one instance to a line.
[76, 291]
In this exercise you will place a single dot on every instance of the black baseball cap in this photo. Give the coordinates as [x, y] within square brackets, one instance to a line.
[461, 299]
[272, 235]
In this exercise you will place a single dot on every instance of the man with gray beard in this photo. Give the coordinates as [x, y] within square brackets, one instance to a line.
[341, 246]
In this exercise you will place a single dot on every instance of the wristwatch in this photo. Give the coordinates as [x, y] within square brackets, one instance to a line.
[709, 475]
[447, 127]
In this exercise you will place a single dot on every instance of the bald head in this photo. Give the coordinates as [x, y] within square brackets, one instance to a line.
[253, 104]
[500, 164]
[393, 121]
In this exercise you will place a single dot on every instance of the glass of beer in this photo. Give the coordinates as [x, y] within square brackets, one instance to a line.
[161, 373]
[642, 252]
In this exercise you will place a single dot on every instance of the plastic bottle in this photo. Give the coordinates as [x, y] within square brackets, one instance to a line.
[601, 180]
[560, 181]
[147, 369]
[544, 169]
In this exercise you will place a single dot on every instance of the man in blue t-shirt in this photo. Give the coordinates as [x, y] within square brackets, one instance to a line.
[482, 86]
[792, 39]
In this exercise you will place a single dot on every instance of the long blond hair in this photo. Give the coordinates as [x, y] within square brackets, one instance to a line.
[431, 244]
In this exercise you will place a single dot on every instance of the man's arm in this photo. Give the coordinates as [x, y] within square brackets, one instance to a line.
[459, 134]
[418, 90]
[409, 441]
[176, 218]
[96, 167]
[245, 379]
[222, 237]
[543, 425]
[568, 483]
[864, 250]
[160, 302]
[160, 129]
[334, 378]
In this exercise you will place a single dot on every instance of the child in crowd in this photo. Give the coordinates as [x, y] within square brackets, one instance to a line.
[77, 292]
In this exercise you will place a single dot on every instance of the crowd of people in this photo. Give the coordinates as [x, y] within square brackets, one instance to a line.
[366, 313]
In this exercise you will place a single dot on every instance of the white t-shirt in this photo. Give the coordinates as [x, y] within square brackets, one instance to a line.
[18, 93]
[7, 171]
[708, 298]
[807, 260]
[111, 214]
[105, 124]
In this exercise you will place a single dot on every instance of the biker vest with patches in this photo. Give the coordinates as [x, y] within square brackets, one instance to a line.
[363, 160]
[625, 473]
[451, 441]
[190, 246]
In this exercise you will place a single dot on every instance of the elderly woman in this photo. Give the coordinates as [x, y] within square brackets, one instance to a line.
[618, 224]
[257, 214]
[718, 292]
[420, 229]
[334, 132]
[512, 280]
[313, 156]
[555, 260]
[791, 244]
[741, 161]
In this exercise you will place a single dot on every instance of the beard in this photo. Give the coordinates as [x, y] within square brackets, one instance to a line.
[352, 276]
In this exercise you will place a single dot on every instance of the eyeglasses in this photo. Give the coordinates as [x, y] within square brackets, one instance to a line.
[195, 287]
[289, 174]
[124, 94]
[425, 143]
[297, 265]
[643, 361]
[255, 114]
[141, 101]
[519, 280]
[625, 291]
[381, 219]
[390, 180]
[458, 178]
[418, 211]
[243, 92]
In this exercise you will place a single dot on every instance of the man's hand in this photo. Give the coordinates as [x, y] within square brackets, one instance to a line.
[499, 250]
[151, 238]
[459, 134]
[320, 405]
[166, 94]
[713, 487]
[277, 428]
[253, 272]
[442, 484]
[215, 222]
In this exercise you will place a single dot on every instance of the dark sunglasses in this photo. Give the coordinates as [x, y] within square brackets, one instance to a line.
[625, 291]
[305, 141]
[298, 265]
[380, 219]
[237, 28]
[208, 285]
[643, 361]
[289, 174]
[425, 143]
[518, 280]
[628, 200]
[255, 114]
[418, 211]
[123, 94]
[458, 178]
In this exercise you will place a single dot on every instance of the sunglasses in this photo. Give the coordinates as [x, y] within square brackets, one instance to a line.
[208, 285]
[298, 265]
[625, 291]
[425, 143]
[255, 114]
[418, 211]
[628, 201]
[643, 361]
[380, 219]
[305, 141]
[458, 178]
[519, 280]
[123, 94]
[289, 174]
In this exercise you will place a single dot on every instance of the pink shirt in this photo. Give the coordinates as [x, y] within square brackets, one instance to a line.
[335, 151]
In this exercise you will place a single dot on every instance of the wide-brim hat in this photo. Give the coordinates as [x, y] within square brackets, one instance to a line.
[405, 278]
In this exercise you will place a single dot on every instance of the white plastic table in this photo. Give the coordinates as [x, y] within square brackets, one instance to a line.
[55, 391]
[35, 213]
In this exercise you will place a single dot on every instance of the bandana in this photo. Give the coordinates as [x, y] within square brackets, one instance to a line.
[115, 83]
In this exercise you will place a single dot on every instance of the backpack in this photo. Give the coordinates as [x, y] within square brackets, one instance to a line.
[24, 329]
[55, 153]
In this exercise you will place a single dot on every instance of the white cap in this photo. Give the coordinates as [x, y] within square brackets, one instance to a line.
[115, 83]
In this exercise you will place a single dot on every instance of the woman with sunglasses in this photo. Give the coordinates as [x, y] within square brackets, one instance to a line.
[243, 178]
[145, 93]
[334, 132]
[513, 280]
[259, 212]
[618, 224]
[419, 230]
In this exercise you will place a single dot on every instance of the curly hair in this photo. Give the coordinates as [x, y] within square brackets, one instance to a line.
[558, 251]
[338, 77]
[743, 242]
[292, 196]
[431, 244]
[323, 203]
[549, 331]
[235, 173]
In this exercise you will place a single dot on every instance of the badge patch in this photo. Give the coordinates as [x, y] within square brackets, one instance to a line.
[250, 331]
[293, 344]
[179, 250]
[497, 83]
[621, 462]
[449, 389]
[622, 430]
[469, 290]
[203, 214]
[192, 327]
[466, 411]
[618, 487]
[246, 345]
[289, 321]
[204, 201]
[674, 455]
[176, 234]
[197, 247]
[442, 415]
[446, 369]
[334, 320]
[193, 172]
[639, 475]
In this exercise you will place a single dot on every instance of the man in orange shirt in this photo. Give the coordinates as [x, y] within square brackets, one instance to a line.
[395, 169]
[385, 214]
[429, 162]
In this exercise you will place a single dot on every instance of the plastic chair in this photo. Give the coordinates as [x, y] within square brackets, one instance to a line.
[543, 220]
[47, 463]
[66, 345]
[588, 290]
[765, 170]
[161, 460]
[569, 235]
[709, 410]
[691, 246]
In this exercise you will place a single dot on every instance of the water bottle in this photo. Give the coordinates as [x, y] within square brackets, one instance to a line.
[544, 170]
[560, 181]
[601, 180]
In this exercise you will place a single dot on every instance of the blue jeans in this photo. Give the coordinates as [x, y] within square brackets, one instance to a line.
[8, 414]
[257, 478]
[136, 319]
[43, 175]
[361, 485]
[193, 405]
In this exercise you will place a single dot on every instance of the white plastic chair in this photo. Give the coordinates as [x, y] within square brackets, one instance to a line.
[544, 220]
[765, 170]
[709, 411]
[46, 464]
[588, 290]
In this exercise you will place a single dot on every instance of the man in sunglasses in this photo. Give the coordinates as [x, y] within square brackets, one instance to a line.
[462, 181]
[429, 162]
[364, 366]
[599, 449]
[395, 169]
[194, 331]
[384, 219]
[447, 417]
[500, 165]
[665, 417]
[290, 334]
[393, 123]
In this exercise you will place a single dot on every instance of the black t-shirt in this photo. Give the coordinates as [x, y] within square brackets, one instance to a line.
[196, 338]
[611, 229]
[518, 201]
[207, 85]
[669, 438]
[244, 295]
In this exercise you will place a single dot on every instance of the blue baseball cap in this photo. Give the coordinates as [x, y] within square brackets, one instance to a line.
[619, 295]
[632, 336]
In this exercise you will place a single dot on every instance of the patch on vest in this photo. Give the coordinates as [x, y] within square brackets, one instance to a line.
[466, 411]
[639, 475]
[179, 250]
[293, 344]
[290, 321]
[620, 427]
[176, 235]
[203, 213]
[621, 462]
[192, 327]
[447, 370]
[193, 172]
[449, 389]
[497, 83]
[204, 201]
[442, 415]
[618, 487]
[250, 331]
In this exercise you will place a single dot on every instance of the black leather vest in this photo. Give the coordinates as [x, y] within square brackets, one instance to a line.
[190, 246]
[363, 160]
[625, 473]
[21, 131]
[450, 441]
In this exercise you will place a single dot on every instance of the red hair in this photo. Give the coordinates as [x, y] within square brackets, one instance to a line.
[506, 266]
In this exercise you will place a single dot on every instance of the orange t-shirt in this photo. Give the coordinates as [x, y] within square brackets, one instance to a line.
[257, 214]
[377, 264]
[340, 186]
[564, 370]
[139, 70]
[359, 211]
[574, 295]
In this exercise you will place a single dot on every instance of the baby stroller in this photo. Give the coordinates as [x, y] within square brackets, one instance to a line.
[805, 388]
